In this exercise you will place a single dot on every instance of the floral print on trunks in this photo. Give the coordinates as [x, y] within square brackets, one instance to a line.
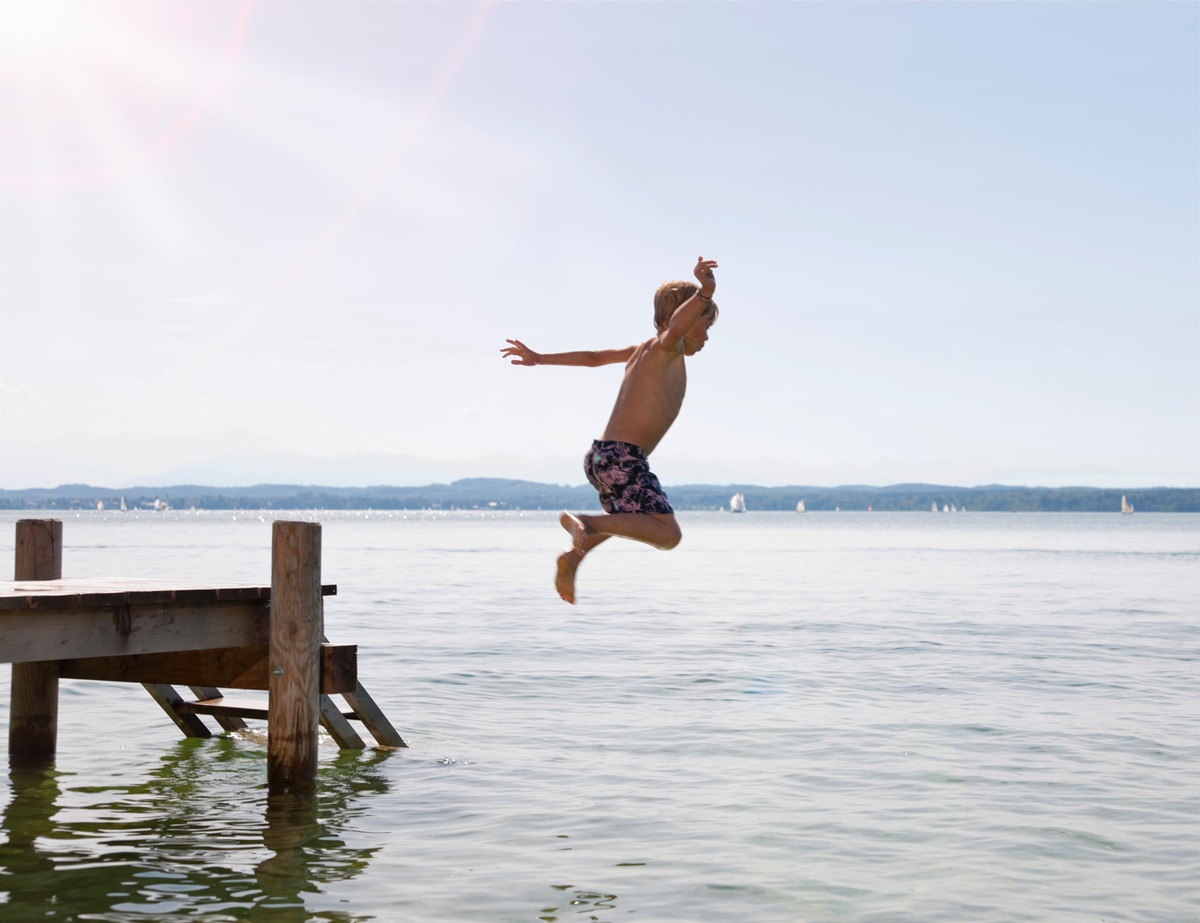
[622, 475]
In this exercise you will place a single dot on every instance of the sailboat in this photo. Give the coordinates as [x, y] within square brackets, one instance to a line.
[1126, 506]
[737, 503]
[123, 507]
[800, 507]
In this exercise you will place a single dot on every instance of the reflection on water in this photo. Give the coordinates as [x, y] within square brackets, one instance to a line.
[597, 907]
[200, 836]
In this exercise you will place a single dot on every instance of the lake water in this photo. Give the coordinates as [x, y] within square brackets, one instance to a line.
[821, 717]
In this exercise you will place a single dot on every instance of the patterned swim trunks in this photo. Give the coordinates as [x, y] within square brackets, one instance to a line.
[622, 475]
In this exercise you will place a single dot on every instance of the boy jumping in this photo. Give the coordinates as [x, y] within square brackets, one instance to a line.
[649, 400]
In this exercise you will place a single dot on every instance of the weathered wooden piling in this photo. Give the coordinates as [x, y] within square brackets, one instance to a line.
[297, 631]
[33, 712]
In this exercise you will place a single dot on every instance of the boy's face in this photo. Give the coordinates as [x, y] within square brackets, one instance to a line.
[697, 336]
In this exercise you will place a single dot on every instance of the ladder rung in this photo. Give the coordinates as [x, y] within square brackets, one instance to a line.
[243, 709]
[224, 706]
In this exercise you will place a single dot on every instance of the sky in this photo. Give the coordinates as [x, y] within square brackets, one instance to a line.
[253, 242]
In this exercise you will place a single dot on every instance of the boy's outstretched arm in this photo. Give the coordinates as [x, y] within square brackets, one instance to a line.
[689, 312]
[523, 355]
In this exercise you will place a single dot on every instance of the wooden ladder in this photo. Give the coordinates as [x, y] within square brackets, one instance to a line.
[230, 714]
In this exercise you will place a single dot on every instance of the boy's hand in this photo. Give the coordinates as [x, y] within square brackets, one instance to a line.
[704, 275]
[520, 353]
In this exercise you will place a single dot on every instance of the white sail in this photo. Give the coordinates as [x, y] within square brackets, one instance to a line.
[737, 503]
[800, 507]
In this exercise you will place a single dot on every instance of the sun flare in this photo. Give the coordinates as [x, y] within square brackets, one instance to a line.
[35, 29]
[92, 89]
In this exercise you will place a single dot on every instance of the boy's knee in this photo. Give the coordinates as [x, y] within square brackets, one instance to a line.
[671, 537]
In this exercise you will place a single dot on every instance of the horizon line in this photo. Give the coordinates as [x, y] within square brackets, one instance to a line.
[731, 484]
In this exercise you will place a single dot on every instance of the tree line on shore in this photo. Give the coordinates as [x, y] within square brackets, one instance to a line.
[500, 493]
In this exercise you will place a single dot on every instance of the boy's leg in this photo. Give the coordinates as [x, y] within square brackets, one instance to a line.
[657, 529]
[582, 541]
[568, 562]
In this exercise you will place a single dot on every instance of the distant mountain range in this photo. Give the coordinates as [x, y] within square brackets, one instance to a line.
[501, 493]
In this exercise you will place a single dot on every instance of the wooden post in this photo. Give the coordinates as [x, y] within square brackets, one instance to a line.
[294, 663]
[33, 713]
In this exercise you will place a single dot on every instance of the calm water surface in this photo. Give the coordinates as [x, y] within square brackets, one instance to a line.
[827, 717]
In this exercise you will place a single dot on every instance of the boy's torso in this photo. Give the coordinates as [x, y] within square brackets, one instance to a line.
[650, 396]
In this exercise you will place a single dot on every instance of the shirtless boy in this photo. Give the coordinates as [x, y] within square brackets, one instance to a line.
[649, 400]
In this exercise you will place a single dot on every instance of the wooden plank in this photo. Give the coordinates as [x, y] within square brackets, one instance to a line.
[373, 718]
[227, 722]
[246, 708]
[33, 694]
[236, 667]
[172, 703]
[339, 668]
[40, 593]
[226, 667]
[70, 594]
[338, 727]
[240, 708]
[104, 631]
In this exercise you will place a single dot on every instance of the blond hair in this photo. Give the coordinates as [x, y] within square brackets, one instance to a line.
[668, 298]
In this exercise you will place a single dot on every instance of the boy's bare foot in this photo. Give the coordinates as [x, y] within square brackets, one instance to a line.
[579, 532]
[564, 577]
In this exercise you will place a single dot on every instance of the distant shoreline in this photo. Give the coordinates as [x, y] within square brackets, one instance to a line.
[501, 493]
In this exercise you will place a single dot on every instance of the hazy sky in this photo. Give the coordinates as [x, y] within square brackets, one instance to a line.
[259, 241]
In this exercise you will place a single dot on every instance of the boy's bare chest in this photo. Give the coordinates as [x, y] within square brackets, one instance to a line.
[656, 374]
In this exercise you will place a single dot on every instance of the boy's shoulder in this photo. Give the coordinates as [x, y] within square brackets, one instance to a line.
[654, 347]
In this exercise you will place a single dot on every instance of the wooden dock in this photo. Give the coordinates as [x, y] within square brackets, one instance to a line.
[204, 638]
